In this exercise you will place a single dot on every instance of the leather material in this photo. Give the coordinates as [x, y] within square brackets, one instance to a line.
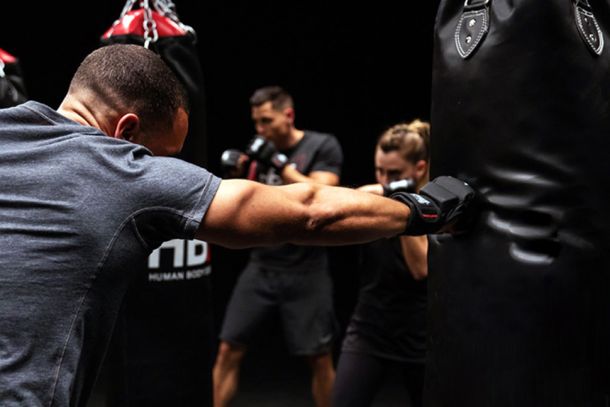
[186, 367]
[519, 309]
[263, 151]
[443, 204]
[588, 27]
[472, 27]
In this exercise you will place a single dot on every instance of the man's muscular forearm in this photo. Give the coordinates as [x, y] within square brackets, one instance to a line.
[245, 214]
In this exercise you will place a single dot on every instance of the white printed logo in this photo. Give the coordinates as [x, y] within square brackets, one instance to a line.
[189, 253]
[421, 199]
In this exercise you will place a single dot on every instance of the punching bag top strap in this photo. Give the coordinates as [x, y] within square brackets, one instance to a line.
[472, 26]
[475, 4]
[588, 28]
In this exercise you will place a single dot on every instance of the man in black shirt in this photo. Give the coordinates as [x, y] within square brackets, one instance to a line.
[290, 280]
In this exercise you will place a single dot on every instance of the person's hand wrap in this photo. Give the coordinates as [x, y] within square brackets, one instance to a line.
[443, 205]
[263, 151]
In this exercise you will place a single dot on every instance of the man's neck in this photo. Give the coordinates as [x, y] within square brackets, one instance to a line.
[293, 139]
[78, 111]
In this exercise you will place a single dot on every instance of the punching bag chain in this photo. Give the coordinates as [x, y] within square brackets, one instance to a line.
[149, 24]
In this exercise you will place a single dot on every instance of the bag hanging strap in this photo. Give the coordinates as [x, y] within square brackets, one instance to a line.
[588, 28]
[472, 26]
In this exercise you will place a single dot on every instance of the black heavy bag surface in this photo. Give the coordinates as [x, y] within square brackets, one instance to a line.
[519, 307]
[12, 88]
[156, 26]
[164, 342]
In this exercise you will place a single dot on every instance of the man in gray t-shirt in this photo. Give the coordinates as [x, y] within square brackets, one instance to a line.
[85, 197]
[75, 230]
[80, 211]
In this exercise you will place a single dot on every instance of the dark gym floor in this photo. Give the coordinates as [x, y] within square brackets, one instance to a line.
[285, 381]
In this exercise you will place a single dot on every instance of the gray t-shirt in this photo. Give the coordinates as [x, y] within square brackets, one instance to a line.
[79, 213]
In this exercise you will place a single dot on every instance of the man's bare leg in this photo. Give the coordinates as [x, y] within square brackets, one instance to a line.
[226, 372]
[322, 378]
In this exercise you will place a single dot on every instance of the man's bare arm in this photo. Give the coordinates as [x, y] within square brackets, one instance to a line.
[247, 214]
[415, 253]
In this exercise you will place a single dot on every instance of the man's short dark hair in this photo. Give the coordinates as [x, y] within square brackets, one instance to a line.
[279, 98]
[132, 77]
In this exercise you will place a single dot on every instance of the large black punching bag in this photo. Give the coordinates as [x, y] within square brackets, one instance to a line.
[164, 340]
[519, 307]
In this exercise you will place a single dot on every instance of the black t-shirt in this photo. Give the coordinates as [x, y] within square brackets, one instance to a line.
[390, 318]
[314, 152]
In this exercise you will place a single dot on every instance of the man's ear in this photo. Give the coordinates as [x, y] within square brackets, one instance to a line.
[289, 113]
[128, 127]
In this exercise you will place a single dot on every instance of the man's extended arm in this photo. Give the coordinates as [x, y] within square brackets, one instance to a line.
[246, 214]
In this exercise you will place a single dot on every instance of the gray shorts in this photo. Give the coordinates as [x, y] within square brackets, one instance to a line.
[301, 299]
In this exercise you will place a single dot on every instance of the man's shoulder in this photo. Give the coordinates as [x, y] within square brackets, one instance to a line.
[318, 135]
[317, 140]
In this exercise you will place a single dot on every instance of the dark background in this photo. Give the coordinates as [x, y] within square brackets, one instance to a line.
[352, 70]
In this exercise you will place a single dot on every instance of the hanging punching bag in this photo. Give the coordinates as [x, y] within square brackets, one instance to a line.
[164, 339]
[12, 88]
[155, 25]
[519, 307]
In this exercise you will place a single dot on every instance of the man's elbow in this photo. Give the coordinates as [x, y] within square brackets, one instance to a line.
[319, 214]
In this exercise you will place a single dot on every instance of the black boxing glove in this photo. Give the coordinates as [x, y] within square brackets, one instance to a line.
[263, 151]
[442, 205]
[401, 185]
[231, 163]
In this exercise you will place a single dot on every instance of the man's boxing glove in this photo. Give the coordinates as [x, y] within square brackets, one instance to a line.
[401, 185]
[442, 205]
[263, 151]
[232, 163]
